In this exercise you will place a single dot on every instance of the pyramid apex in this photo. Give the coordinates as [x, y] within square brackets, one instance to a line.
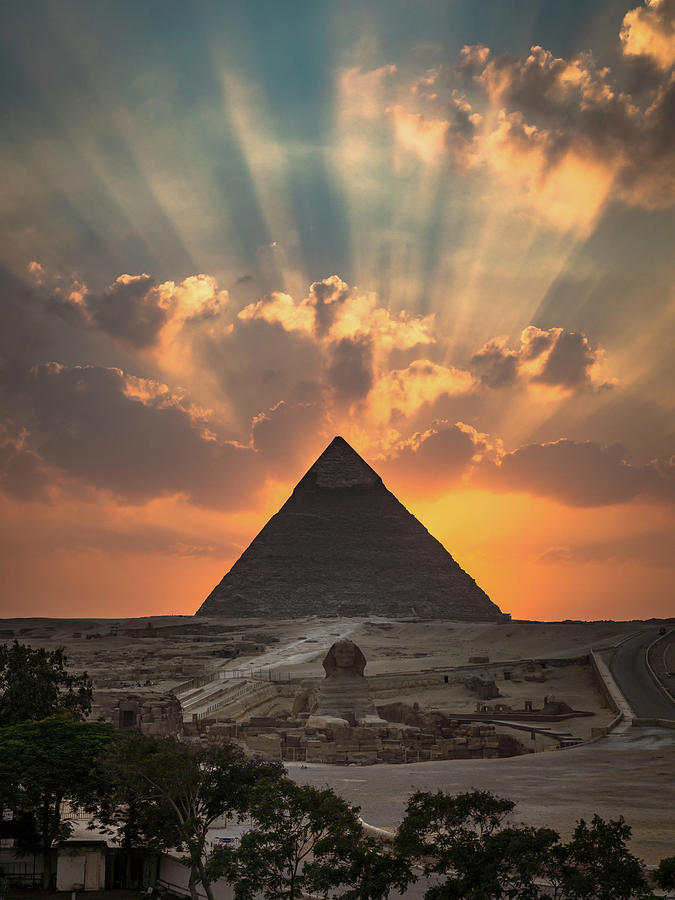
[340, 466]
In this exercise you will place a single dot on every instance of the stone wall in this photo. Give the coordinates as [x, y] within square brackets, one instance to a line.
[287, 740]
[154, 715]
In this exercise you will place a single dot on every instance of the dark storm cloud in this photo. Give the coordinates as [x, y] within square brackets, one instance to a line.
[350, 371]
[576, 474]
[130, 436]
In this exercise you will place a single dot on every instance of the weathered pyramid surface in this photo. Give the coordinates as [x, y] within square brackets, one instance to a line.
[342, 544]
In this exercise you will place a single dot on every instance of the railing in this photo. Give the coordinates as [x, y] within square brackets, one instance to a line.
[229, 699]
[72, 813]
[259, 673]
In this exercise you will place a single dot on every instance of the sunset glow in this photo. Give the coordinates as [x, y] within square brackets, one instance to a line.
[442, 230]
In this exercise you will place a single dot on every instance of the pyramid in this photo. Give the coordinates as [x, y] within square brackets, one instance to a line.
[342, 544]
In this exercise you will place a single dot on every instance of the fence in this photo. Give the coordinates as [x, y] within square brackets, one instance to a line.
[229, 699]
[258, 673]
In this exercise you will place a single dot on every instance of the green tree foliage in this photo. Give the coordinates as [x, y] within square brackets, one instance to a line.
[664, 875]
[168, 795]
[597, 865]
[461, 838]
[35, 684]
[43, 764]
[464, 844]
[307, 841]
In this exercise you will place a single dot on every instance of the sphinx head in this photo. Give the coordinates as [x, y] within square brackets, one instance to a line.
[344, 658]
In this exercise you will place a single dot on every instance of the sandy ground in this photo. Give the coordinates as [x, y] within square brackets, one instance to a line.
[629, 775]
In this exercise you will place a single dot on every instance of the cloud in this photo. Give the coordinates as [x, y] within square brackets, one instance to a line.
[436, 459]
[36, 270]
[653, 548]
[129, 309]
[283, 376]
[332, 311]
[289, 434]
[400, 393]
[280, 308]
[62, 533]
[427, 138]
[350, 372]
[361, 91]
[495, 364]
[433, 139]
[473, 59]
[23, 475]
[649, 31]
[566, 140]
[576, 474]
[131, 436]
[138, 310]
[554, 357]
[566, 122]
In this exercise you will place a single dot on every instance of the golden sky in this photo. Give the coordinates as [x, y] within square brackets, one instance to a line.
[231, 233]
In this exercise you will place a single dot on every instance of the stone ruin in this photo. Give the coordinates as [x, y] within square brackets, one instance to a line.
[340, 724]
[485, 687]
[157, 716]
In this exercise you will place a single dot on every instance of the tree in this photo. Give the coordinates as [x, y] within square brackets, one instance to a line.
[664, 875]
[306, 841]
[35, 684]
[463, 839]
[169, 795]
[374, 870]
[597, 865]
[42, 764]
[435, 825]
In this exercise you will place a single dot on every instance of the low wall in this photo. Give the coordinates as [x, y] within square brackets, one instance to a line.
[609, 688]
[653, 723]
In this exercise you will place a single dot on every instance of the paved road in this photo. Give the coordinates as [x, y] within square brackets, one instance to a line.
[629, 668]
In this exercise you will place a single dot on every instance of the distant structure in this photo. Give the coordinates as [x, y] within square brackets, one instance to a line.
[343, 545]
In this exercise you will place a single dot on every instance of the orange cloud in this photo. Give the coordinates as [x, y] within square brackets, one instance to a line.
[402, 392]
[649, 31]
[566, 139]
[333, 311]
[427, 138]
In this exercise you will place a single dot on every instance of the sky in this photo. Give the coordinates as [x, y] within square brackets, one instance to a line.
[441, 229]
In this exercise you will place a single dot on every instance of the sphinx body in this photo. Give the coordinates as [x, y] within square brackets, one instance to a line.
[344, 696]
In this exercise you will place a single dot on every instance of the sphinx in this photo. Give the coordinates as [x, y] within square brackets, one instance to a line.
[344, 696]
